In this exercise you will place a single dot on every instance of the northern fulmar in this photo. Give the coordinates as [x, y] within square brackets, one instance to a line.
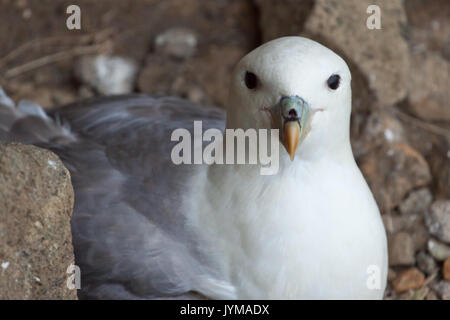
[147, 228]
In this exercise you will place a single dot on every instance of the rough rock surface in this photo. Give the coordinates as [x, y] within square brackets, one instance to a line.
[425, 262]
[381, 55]
[378, 128]
[417, 202]
[392, 171]
[428, 87]
[401, 249]
[429, 26]
[413, 225]
[292, 11]
[36, 199]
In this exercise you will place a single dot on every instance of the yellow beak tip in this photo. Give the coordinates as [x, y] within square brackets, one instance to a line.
[291, 137]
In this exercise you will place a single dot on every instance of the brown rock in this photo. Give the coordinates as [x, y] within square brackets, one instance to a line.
[272, 12]
[412, 224]
[440, 167]
[446, 269]
[419, 233]
[428, 93]
[429, 26]
[378, 59]
[36, 200]
[392, 171]
[401, 249]
[408, 279]
[432, 143]
[394, 223]
[379, 128]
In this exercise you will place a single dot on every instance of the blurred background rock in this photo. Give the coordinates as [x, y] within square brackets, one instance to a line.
[401, 107]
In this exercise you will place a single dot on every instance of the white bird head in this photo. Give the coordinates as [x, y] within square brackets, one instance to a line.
[298, 86]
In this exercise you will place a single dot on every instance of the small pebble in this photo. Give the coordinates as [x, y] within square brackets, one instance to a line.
[408, 279]
[446, 269]
[438, 220]
[442, 288]
[5, 265]
[107, 74]
[177, 43]
[417, 201]
[425, 262]
[438, 250]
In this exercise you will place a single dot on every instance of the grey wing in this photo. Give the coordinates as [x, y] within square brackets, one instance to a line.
[128, 223]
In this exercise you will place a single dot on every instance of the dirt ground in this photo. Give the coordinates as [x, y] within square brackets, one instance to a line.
[225, 30]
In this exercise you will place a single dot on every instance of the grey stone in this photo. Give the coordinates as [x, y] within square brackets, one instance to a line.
[438, 250]
[36, 200]
[425, 262]
[178, 43]
[417, 201]
[107, 74]
[438, 220]
[442, 288]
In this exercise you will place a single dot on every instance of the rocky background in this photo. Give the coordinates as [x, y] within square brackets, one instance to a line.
[36, 200]
[401, 110]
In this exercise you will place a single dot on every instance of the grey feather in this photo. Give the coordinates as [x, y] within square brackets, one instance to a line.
[128, 221]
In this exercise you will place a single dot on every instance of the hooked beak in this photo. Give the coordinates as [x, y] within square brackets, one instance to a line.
[291, 139]
[294, 121]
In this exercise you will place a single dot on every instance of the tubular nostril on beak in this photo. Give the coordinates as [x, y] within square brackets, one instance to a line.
[293, 114]
[291, 108]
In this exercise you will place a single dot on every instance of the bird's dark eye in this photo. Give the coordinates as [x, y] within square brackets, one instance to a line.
[251, 80]
[333, 81]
